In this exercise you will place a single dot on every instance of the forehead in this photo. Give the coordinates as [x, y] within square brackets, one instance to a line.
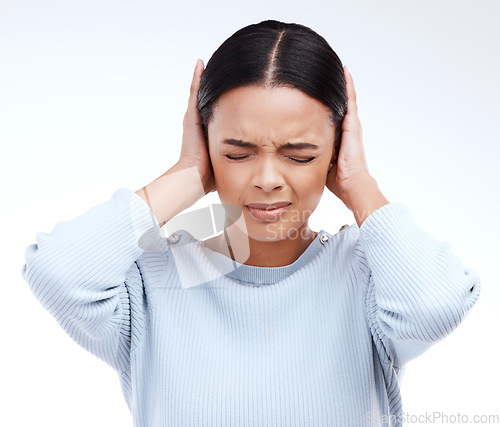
[279, 112]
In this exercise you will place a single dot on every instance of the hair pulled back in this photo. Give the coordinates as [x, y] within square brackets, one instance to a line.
[270, 54]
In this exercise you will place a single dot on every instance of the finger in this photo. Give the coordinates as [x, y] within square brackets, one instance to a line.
[192, 114]
[351, 121]
[195, 83]
[352, 107]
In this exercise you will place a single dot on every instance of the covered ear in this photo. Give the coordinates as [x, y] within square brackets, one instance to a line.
[336, 146]
[205, 133]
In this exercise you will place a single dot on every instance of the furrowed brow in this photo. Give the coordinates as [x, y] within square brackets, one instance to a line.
[287, 145]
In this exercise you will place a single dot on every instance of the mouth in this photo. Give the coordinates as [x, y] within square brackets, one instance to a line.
[265, 212]
[268, 206]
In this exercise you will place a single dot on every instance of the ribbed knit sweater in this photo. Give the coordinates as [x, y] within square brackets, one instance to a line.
[198, 339]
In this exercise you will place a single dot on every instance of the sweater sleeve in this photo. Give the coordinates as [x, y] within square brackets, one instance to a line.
[418, 291]
[85, 275]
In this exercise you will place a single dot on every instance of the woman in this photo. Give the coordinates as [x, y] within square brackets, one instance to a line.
[269, 323]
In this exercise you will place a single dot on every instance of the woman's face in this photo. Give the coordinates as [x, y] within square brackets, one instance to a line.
[268, 171]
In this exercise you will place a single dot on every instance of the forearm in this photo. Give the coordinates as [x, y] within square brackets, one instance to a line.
[83, 273]
[363, 197]
[177, 189]
[418, 290]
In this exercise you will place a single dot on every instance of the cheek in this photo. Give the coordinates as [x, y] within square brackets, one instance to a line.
[229, 183]
[221, 172]
[309, 186]
[311, 177]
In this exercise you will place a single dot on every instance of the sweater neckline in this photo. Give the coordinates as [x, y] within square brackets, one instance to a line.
[256, 276]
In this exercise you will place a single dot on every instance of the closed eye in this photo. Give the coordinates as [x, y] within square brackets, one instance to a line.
[291, 158]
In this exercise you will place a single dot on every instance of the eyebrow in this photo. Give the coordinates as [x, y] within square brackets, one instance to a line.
[297, 145]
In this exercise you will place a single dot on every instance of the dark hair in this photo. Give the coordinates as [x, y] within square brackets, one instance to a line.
[273, 53]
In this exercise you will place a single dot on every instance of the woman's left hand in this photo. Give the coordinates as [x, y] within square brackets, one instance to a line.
[350, 164]
[349, 178]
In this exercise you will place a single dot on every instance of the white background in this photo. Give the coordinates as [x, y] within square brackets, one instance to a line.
[92, 97]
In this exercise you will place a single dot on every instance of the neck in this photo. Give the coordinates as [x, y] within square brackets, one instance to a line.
[244, 249]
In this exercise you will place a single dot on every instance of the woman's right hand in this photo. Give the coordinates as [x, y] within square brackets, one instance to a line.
[194, 150]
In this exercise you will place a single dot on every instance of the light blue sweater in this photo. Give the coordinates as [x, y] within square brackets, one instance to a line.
[320, 342]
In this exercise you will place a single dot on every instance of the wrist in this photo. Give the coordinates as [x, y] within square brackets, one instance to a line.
[363, 197]
[206, 182]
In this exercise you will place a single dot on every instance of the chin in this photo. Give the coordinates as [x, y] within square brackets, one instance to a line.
[272, 231]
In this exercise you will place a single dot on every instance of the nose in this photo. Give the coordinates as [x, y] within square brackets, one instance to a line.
[268, 175]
